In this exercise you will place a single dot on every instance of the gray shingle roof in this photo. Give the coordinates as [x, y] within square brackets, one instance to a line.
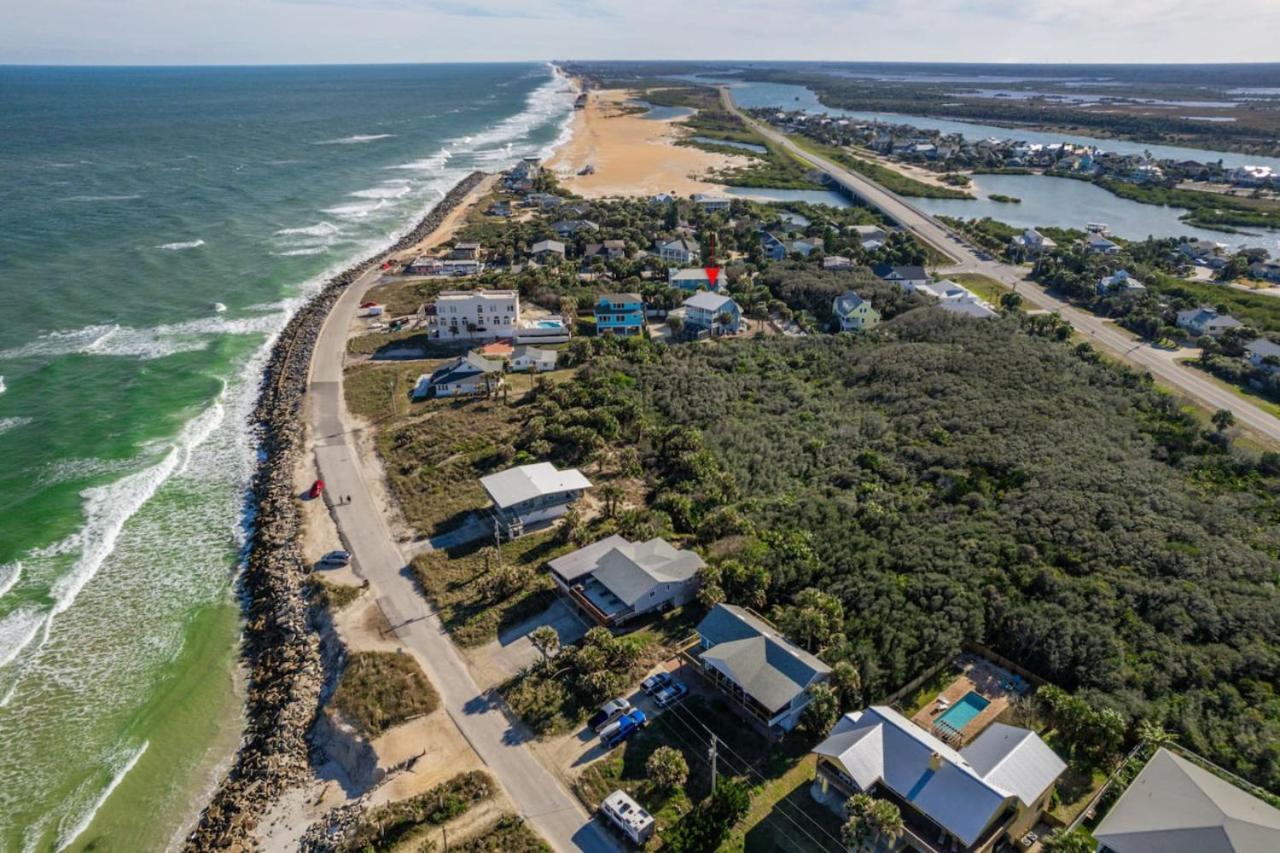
[847, 303]
[769, 667]
[1176, 807]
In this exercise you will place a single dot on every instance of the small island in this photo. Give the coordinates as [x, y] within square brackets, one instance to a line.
[1005, 199]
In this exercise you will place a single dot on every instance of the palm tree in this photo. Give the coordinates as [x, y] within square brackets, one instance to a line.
[885, 820]
[545, 640]
[856, 831]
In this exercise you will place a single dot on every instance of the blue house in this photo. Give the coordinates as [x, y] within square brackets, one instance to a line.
[620, 314]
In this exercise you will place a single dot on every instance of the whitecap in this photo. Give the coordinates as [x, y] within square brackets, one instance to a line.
[146, 343]
[9, 574]
[219, 308]
[356, 211]
[357, 139]
[430, 164]
[119, 770]
[7, 424]
[302, 252]
[3, 387]
[320, 229]
[17, 630]
[88, 198]
[388, 192]
[178, 247]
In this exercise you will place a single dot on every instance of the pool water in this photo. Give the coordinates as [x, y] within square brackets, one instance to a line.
[963, 711]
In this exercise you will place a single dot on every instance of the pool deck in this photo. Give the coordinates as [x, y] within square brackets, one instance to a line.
[998, 686]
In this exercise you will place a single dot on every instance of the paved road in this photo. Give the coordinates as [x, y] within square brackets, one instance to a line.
[538, 795]
[1161, 363]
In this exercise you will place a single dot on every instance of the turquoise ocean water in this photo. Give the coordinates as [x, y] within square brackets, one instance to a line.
[157, 227]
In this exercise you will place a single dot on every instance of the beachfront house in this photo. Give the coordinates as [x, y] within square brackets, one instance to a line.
[465, 376]
[459, 267]
[690, 280]
[994, 790]
[907, 278]
[711, 203]
[615, 580]
[852, 313]
[423, 265]
[527, 359]
[620, 314]
[766, 676]
[545, 250]
[1176, 806]
[1206, 320]
[474, 314]
[1119, 282]
[682, 250]
[530, 495]
[543, 330]
[712, 313]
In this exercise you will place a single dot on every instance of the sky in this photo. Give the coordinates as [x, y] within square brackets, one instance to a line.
[191, 32]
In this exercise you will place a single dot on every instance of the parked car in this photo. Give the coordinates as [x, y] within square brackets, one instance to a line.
[317, 489]
[669, 696]
[609, 711]
[655, 682]
[336, 558]
[627, 726]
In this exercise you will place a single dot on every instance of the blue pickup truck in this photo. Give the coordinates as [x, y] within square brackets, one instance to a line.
[625, 727]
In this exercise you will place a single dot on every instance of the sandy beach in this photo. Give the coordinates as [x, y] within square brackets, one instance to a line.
[631, 155]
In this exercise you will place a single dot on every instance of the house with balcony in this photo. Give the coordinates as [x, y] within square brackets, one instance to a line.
[711, 203]
[767, 677]
[712, 313]
[682, 250]
[994, 790]
[691, 280]
[853, 313]
[529, 495]
[474, 314]
[620, 314]
[615, 580]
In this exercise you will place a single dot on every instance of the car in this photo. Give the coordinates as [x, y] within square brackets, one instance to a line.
[336, 558]
[609, 711]
[655, 682]
[627, 726]
[317, 489]
[669, 696]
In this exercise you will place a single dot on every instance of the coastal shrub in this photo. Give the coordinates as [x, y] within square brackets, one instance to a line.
[378, 690]
[383, 827]
[508, 834]
[334, 596]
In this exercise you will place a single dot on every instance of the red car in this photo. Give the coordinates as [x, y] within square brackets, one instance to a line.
[368, 305]
[317, 488]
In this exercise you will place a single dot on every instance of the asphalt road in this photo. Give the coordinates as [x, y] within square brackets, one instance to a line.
[503, 746]
[1161, 364]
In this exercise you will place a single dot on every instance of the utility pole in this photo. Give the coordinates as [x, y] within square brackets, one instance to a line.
[445, 831]
[711, 753]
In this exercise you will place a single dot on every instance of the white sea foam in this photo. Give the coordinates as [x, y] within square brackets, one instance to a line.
[2, 385]
[178, 247]
[397, 190]
[17, 630]
[302, 252]
[88, 198]
[7, 424]
[119, 769]
[321, 229]
[9, 575]
[434, 163]
[357, 139]
[358, 210]
[219, 308]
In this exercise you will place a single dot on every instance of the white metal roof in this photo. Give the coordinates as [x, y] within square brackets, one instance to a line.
[708, 301]
[1014, 760]
[525, 482]
[1176, 807]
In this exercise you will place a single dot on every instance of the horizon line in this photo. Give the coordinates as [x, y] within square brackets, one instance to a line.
[899, 62]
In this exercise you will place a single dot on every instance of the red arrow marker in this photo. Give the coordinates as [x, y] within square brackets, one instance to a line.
[713, 273]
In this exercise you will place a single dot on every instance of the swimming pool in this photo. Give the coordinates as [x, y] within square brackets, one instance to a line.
[963, 711]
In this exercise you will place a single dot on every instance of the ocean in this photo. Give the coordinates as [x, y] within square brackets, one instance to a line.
[157, 229]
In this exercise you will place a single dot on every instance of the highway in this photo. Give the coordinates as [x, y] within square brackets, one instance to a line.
[1162, 364]
[501, 744]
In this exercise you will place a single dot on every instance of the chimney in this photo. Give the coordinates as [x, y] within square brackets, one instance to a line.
[935, 762]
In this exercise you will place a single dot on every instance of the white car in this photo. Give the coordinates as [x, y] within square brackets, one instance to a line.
[609, 711]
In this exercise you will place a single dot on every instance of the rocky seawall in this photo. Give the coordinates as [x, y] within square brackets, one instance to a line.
[281, 645]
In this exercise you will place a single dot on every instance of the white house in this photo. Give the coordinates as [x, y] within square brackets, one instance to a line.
[1033, 242]
[459, 267]
[765, 675]
[837, 262]
[871, 237]
[464, 376]
[908, 278]
[712, 312]
[474, 314]
[1099, 245]
[1120, 282]
[615, 580]
[711, 203]
[969, 308]
[682, 250]
[531, 494]
[1206, 320]
[992, 791]
[853, 313]
[545, 248]
[532, 360]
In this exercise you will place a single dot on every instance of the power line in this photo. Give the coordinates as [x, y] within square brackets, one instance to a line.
[764, 780]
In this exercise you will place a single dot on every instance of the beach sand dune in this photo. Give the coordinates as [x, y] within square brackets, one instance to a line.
[632, 155]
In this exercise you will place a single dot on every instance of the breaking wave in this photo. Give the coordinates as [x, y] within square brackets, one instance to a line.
[119, 771]
[178, 247]
[357, 139]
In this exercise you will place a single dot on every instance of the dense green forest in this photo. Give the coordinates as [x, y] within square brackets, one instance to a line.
[954, 480]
